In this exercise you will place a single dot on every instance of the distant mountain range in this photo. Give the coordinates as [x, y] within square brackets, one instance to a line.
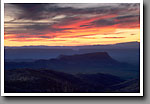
[126, 45]
[50, 81]
[123, 52]
[81, 63]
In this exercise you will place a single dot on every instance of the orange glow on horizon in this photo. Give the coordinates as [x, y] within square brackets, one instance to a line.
[72, 40]
[71, 27]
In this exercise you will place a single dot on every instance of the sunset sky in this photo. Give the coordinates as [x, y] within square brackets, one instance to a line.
[71, 24]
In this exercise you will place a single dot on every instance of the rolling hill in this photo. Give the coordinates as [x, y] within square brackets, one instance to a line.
[46, 80]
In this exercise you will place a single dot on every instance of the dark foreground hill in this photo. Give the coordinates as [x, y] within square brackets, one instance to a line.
[81, 63]
[44, 81]
[132, 85]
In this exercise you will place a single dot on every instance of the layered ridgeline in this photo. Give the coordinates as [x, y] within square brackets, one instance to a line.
[123, 52]
[81, 63]
[50, 81]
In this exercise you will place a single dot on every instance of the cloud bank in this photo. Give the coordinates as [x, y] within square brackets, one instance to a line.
[49, 21]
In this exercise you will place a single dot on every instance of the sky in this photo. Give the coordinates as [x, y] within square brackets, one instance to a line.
[70, 24]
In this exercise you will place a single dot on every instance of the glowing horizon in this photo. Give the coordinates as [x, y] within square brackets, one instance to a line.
[71, 24]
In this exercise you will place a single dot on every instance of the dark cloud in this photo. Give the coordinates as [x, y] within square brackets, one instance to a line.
[46, 28]
[104, 22]
[33, 11]
[28, 21]
[127, 17]
[37, 11]
[44, 36]
[132, 34]
[34, 29]
[84, 25]
[114, 37]
[120, 20]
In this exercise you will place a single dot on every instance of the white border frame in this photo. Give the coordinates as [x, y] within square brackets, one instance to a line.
[72, 94]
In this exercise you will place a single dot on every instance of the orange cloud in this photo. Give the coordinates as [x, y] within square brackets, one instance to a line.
[79, 22]
[74, 28]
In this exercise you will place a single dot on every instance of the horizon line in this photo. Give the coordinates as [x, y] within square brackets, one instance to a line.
[73, 46]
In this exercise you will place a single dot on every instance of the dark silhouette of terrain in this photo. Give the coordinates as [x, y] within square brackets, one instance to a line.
[50, 81]
[72, 69]
[123, 52]
[132, 85]
[81, 63]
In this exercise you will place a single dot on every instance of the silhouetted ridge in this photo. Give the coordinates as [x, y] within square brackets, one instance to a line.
[88, 57]
[100, 55]
[78, 63]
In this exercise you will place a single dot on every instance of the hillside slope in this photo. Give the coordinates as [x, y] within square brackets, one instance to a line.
[44, 80]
